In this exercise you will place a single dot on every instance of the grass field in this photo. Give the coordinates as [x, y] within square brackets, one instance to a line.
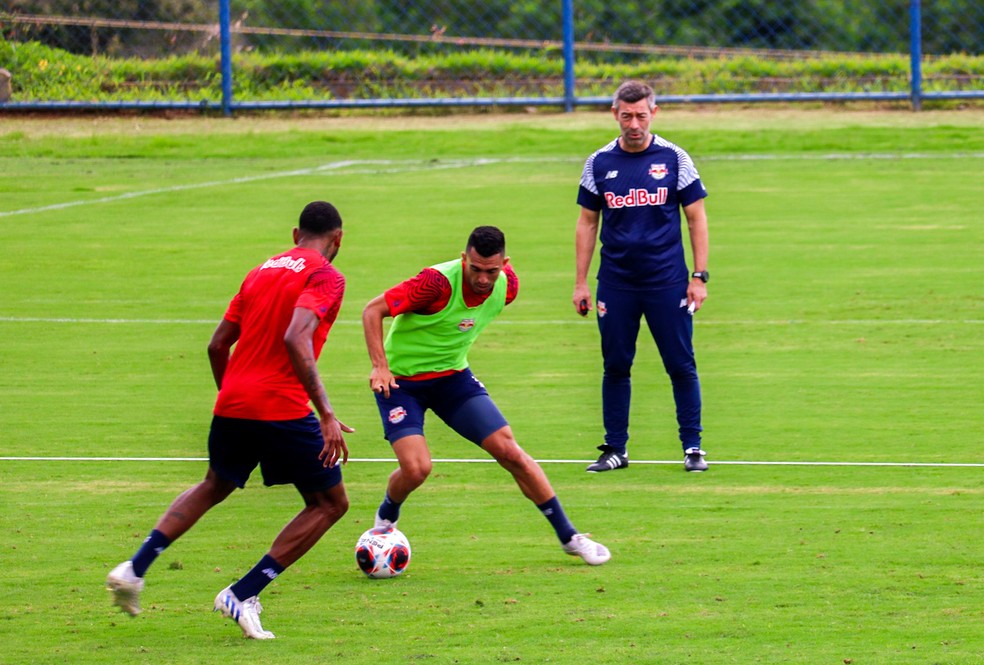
[841, 354]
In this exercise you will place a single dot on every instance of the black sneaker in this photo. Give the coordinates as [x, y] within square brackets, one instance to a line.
[609, 461]
[693, 460]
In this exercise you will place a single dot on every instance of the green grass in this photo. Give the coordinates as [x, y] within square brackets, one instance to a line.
[844, 325]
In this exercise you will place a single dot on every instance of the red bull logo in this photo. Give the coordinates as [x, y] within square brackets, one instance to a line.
[466, 325]
[658, 171]
[636, 198]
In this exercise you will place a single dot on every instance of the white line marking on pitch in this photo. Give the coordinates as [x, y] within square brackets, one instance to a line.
[406, 166]
[491, 461]
[571, 321]
[332, 168]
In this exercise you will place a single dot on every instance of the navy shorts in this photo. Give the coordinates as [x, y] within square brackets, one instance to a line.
[285, 450]
[460, 400]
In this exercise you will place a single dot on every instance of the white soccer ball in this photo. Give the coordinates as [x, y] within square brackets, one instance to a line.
[382, 552]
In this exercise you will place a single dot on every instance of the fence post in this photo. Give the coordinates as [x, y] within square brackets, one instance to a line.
[568, 19]
[915, 53]
[225, 40]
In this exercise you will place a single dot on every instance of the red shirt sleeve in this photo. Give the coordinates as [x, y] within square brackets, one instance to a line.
[323, 293]
[426, 293]
[234, 313]
[512, 283]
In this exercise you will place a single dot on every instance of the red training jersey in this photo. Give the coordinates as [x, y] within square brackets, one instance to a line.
[259, 382]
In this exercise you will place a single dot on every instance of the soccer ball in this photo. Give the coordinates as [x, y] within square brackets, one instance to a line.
[382, 552]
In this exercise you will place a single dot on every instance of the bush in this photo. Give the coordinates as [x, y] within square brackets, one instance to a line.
[42, 73]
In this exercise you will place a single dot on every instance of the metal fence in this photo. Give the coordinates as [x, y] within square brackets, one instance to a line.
[261, 54]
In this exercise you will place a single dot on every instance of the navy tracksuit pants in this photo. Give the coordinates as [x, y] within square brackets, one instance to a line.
[619, 316]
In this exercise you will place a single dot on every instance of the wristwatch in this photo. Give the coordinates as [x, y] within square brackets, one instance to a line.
[702, 275]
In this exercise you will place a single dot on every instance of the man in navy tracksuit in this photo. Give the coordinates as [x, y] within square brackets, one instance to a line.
[638, 183]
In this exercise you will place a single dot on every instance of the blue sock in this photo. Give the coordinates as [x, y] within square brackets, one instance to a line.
[390, 509]
[152, 547]
[554, 513]
[253, 582]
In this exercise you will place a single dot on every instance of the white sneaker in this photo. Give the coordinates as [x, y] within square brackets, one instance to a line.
[244, 612]
[126, 588]
[380, 523]
[594, 554]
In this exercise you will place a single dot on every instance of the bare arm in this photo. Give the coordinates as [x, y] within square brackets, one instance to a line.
[380, 379]
[299, 339]
[697, 225]
[585, 238]
[220, 348]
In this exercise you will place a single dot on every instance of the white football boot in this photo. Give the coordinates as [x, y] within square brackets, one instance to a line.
[244, 612]
[593, 553]
[126, 588]
[379, 523]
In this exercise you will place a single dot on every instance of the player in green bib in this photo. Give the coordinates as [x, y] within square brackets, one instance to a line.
[423, 365]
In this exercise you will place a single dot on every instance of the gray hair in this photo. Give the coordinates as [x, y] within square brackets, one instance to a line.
[632, 91]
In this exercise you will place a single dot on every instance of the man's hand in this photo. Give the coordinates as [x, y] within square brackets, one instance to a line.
[582, 300]
[335, 448]
[382, 380]
[696, 294]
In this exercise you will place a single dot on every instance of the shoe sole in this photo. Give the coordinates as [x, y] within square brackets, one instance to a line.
[624, 466]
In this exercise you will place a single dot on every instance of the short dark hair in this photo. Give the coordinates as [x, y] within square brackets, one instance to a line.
[487, 241]
[632, 91]
[319, 218]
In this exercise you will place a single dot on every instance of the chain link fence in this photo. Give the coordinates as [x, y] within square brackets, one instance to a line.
[444, 52]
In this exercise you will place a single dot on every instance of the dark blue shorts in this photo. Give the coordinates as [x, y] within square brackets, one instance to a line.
[460, 400]
[285, 450]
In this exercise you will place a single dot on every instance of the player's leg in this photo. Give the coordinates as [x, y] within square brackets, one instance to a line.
[402, 414]
[192, 504]
[533, 482]
[231, 460]
[289, 455]
[415, 462]
[414, 467]
[321, 511]
[619, 315]
[470, 411]
[529, 475]
[672, 328]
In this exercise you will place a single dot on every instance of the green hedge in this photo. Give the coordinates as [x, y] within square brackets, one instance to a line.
[41, 73]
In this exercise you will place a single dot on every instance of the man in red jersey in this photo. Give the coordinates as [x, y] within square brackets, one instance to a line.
[278, 323]
[423, 364]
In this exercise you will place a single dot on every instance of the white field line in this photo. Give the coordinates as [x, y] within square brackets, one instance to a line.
[540, 461]
[537, 322]
[332, 168]
[410, 166]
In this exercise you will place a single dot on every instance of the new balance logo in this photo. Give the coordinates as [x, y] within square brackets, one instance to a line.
[611, 174]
